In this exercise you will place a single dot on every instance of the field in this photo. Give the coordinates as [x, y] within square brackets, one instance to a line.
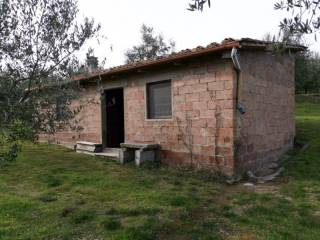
[53, 193]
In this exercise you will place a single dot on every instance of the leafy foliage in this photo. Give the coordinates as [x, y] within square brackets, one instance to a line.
[198, 5]
[91, 59]
[10, 155]
[10, 137]
[305, 16]
[284, 37]
[38, 43]
[152, 46]
[92, 62]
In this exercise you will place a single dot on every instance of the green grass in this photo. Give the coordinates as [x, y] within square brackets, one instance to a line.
[53, 193]
[289, 208]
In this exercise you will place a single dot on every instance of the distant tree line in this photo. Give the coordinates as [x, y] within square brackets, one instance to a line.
[308, 73]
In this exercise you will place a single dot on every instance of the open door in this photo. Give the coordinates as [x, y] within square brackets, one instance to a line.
[112, 118]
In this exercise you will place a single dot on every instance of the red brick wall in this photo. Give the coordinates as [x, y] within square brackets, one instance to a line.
[202, 118]
[201, 129]
[267, 129]
[89, 120]
[205, 128]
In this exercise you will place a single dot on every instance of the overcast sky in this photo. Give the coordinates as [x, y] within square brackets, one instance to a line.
[121, 21]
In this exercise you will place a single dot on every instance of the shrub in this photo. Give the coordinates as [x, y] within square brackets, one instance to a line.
[10, 139]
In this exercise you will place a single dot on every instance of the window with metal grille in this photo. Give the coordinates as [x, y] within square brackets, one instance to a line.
[159, 105]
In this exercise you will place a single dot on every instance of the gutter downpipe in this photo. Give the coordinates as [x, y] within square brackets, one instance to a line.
[240, 110]
[237, 67]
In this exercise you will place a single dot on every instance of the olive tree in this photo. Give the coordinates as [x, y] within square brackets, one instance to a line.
[198, 5]
[151, 47]
[304, 20]
[305, 16]
[39, 40]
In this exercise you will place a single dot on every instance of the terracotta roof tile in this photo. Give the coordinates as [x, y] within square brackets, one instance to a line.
[227, 43]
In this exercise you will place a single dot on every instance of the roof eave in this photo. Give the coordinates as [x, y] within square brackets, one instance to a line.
[245, 43]
[157, 62]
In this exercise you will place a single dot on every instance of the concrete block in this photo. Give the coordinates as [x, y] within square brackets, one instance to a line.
[142, 156]
[126, 155]
[89, 146]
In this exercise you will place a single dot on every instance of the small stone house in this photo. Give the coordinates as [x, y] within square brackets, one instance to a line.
[227, 107]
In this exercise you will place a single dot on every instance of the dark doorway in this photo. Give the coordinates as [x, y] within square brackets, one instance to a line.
[113, 118]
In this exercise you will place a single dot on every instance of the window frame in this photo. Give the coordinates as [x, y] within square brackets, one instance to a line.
[147, 101]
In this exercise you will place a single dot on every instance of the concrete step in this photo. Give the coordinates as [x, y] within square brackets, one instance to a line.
[96, 149]
[112, 153]
[90, 147]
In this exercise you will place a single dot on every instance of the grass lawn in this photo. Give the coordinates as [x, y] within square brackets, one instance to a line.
[53, 193]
